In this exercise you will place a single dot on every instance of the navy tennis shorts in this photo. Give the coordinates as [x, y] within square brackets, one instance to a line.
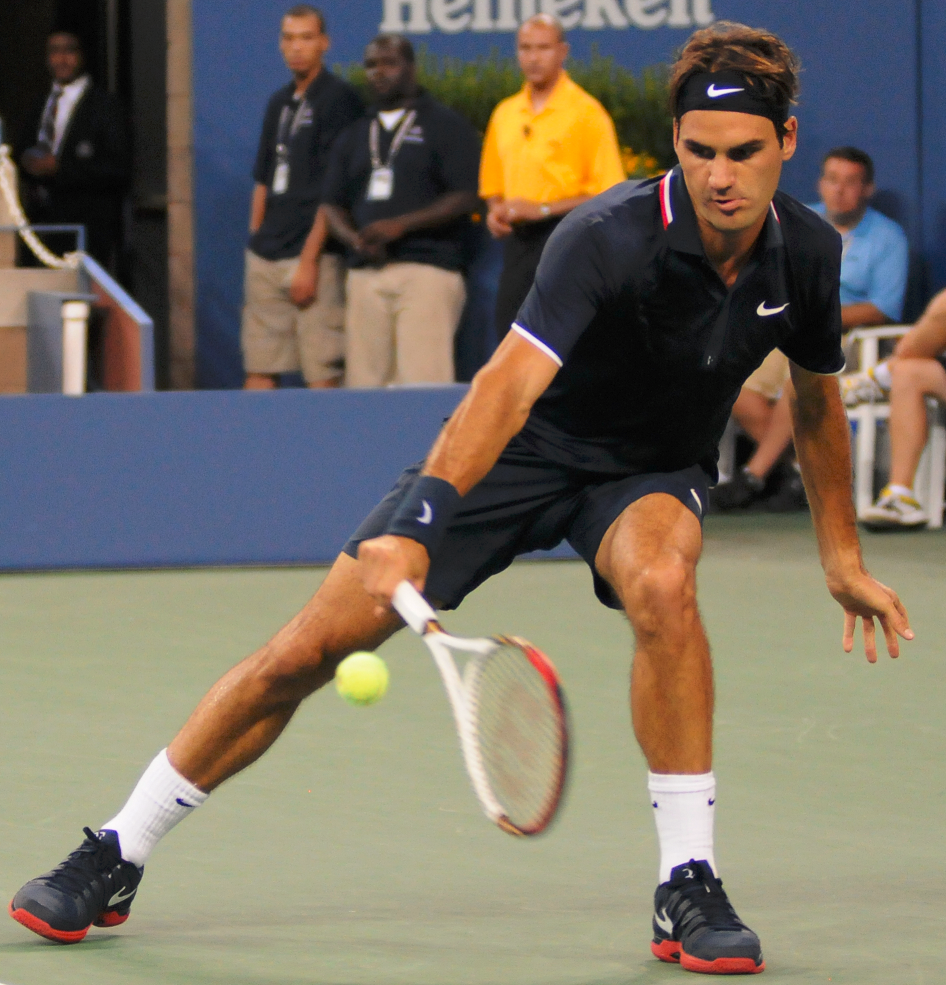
[526, 503]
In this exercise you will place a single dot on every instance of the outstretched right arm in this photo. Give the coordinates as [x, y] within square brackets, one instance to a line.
[494, 410]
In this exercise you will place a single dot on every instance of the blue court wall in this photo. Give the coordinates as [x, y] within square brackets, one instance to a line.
[862, 85]
[205, 478]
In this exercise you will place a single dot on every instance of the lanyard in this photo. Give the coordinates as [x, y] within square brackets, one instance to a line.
[287, 130]
[374, 141]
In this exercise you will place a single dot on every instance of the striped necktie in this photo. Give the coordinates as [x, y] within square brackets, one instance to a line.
[47, 126]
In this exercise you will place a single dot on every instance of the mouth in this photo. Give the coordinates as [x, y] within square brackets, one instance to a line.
[728, 206]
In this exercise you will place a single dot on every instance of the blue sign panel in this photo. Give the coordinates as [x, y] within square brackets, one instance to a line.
[850, 95]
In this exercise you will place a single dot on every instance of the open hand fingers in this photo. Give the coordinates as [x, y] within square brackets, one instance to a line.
[847, 641]
[870, 639]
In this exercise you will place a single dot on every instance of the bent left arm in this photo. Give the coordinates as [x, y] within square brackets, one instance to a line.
[446, 209]
[822, 443]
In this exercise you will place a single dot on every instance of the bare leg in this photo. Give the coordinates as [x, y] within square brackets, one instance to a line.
[776, 439]
[911, 381]
[649, 557]
[247, 709]
[332, 384]
[753, 412]
[259, 381]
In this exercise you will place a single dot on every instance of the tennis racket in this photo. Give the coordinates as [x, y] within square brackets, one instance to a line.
[510, 715]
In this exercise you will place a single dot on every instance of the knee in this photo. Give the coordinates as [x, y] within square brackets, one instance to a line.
[660, 595]
[907, 375]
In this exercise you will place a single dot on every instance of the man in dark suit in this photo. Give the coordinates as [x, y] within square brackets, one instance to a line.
[74, 154]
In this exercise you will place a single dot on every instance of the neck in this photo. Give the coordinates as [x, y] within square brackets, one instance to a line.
[728, 252]
[395, 101]
[539, 94]
[845, 222]
[304, 81]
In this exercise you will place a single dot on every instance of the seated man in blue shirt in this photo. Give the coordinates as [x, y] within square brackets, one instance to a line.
[874, 260]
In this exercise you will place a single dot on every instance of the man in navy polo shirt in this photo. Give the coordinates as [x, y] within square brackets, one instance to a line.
[399, 191]
[294, 280]
[596, 421]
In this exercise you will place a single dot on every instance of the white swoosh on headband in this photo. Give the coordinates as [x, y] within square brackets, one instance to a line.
[715, 93]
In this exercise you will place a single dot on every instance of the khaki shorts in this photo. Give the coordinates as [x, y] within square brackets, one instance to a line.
[278, 337]
[770, 378]
[400, 323]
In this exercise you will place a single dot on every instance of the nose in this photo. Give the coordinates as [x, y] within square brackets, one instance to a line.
[721, 173]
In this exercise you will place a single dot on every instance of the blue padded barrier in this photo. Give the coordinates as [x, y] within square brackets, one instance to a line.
[213, 478]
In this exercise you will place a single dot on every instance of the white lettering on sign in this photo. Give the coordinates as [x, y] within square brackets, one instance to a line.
[455, 16]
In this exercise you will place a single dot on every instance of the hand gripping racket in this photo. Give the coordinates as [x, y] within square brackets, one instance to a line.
[510, 716]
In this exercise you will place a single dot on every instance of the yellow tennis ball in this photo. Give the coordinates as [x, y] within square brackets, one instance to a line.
[362, 678]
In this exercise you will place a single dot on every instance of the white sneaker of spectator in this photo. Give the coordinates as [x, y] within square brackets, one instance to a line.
[870, 386]
[894, 509]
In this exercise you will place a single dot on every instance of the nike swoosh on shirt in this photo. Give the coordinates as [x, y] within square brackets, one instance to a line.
[664, 922]
[427, 514]
[764, 312]
[699, 502]
[120, 897]
[715, 93]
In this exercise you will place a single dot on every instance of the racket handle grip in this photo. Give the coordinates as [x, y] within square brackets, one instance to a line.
[412, 607]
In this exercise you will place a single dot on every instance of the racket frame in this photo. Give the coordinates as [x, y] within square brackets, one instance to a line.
[422, 619]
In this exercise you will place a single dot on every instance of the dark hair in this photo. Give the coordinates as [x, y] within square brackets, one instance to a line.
[80, 45]
[727, 45]
[403, 45]
[855, 156]
[307, 10]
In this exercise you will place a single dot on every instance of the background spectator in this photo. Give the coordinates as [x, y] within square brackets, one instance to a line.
[400, 187]
[914, 372]
[74, 155]
[294, 299]
[874, 262]
[547, 149]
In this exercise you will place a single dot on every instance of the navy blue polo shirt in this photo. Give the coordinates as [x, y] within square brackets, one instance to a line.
[652, 345]
[331, 105]
[440, 154]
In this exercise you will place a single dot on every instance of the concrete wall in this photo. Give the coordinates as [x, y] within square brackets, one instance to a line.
[176, 479]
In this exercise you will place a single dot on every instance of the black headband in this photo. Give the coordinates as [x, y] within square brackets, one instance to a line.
[732, 92]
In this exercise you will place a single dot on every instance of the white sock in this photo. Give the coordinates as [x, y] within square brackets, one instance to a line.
[898, 490]
[882, 375]
[161, 799]
[684, 806]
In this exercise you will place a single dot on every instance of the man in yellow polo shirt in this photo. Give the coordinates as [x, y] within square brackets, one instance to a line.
[549, 148]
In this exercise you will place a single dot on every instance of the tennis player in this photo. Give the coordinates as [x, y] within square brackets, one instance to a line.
[596, 422]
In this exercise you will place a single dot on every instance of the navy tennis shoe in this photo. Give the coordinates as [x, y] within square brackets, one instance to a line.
[696, 926]
[94, 885]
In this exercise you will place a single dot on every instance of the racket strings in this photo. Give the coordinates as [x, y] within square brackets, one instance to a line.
[520, 729]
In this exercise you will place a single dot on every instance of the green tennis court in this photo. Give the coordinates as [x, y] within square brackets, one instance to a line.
[354, 854]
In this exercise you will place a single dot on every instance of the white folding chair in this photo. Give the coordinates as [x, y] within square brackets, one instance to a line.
[931, 473]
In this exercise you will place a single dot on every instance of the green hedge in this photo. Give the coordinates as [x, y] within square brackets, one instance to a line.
[638, 106]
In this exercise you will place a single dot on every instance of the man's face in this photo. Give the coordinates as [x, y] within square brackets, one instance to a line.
[732, 163]
[844, 189]
[541, 53]
[390, 76]
[302, 44]
[63, 58]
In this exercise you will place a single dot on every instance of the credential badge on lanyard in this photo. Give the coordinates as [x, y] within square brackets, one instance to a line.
[289, 124]
[381, 183]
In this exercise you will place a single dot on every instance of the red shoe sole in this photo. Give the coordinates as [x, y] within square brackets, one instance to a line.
[668, 951]
[109, 918]
[673, 953]
[721, 966]
[44, 930]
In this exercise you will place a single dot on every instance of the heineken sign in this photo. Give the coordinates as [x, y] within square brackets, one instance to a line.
[462, 16]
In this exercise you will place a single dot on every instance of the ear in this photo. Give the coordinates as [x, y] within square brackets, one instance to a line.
[790, 138]
[676, 133]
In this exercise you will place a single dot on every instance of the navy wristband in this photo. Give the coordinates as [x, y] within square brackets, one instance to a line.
[425, 512]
